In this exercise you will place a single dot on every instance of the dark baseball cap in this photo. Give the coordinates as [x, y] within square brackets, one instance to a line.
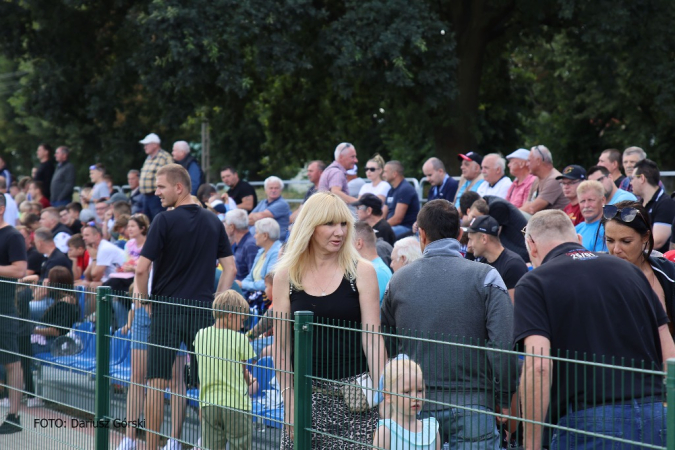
[370, 201]
[484, 224]
[117, 197]
[471, 156]
[573, 172]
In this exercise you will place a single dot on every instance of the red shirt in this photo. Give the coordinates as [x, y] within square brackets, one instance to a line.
[574, 212]
[83, 261]
[44, 201]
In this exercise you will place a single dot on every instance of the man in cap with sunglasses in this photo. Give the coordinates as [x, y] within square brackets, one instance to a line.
[334, 178]
[580, 305]
[661, 207]
[546, 192]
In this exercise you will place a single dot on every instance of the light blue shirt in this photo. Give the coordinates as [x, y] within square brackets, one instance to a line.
[622, 195]
[383, 275]
[592, 235]
[462, 189]
[281, 212]
[402, 439]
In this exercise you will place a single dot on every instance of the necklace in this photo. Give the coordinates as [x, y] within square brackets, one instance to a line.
[323, 290]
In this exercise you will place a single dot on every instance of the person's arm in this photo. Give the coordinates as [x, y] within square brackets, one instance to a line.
[256, 216]
[228, 275]
[399, 214]
[30, 279]
[667, 345]
[512, 294]
[17, 269]
[77, 271]
[534, 206]
[382, 438]
[337, 190]
[130, 319]
[143, 276]
[246, 203]
[661, 233]
[369, 302]
[535, 388]
[295, 215]
[47, 331]
[282, 349]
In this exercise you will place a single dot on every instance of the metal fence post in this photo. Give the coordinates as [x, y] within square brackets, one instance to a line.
[670, 386]
[302, 363]
[102, 399]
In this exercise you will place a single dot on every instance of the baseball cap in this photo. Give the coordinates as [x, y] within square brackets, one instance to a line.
[484, 224]
[471, 156]
[117, 197]
[151, 138]
[670, 255]
[573, 172]
[521, 153]
[370, 201]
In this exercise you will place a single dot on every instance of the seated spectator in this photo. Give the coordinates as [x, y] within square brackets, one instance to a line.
[101, 208]
[101, 190]
[314, 171]
[591, 198]
[611, 160]
[472, 177]
[402, 203]
[36, 191]
[369, 210]
[354, 182]
[44, 243]
[484, 243]
[569, 181]
[60, 317]
[522, 178]
[118, 206]
[365, 245]
[34, 258]
[442, 184]
[50, 219]
[631, 156]
[377, 186]
[119, 231]
[495, 181]
[267, 233]
[646, 181]
[613, 195]
[66, 220]
[405, 251]
[243, 243]
[274, 207]
[208, 196]
[240, 191]
[31, 221]
[334, 178]
[104, 258]
[77, 252]
[546, 192]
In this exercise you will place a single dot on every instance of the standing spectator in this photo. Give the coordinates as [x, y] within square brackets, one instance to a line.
[244, 247]
[135, 196]
[631, 156]
[100, 189]
[156, 159]
[495, 182]
[240, 191]
[613, 195]
[592, 199]
[365, 244]
[369, 210]
[611, 160]
[442, 184]
[36, 191]
[471, 174]
[314, 171]
[484, 243]
[546, 192]
[49, 218]
[646, 181]
[4, 171]
[322, 272]
[476, 299]
[334, 178]
[181, 155]
[274, 206]
[622, 322]
[104, 257]
[183, 246]
[11, 211]
[522, 178]
[63, 181]
[45, 170]
[402, 203]
[569, 181]
[405, 251]
[377, 186]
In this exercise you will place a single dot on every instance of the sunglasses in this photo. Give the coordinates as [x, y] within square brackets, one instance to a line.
[371, 169]
[543, 157]
[627, 214]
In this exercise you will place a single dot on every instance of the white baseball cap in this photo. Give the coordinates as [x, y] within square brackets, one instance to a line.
[150, 139]
[521, 153]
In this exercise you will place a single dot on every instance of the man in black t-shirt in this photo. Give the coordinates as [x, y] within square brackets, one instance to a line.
[12, 265]
[369, 210]
[183, 245]
[646, 181]
[597, 308]
[241, 192]
[484, 243]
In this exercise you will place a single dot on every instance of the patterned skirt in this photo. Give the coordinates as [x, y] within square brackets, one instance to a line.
[331, 415]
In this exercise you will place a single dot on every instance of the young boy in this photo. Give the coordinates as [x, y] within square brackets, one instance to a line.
[77, 252]
[222, 353]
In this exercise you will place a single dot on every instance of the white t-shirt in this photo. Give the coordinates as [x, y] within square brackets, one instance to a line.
[11, 215]
[111, 256]
[500, 189]
[382, 189]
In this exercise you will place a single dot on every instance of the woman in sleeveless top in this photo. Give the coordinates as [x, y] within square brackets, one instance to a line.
[321, 271]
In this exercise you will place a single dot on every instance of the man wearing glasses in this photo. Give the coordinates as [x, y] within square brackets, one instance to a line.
[569, 181]
[546, 192]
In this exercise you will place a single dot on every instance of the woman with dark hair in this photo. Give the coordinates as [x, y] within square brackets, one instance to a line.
[628, 236]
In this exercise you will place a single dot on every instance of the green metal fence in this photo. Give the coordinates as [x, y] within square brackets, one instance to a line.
[479, 387]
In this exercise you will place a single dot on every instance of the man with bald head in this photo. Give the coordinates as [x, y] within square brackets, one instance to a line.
[181, 155]
[442, 184]
[546, 192]
[496, 182]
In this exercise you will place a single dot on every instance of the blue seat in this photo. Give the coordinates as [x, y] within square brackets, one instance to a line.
[85, 333]
[263, 371]
[119, 347]
[274, 418]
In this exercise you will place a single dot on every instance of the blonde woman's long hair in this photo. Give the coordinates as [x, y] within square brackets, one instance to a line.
[320, 209]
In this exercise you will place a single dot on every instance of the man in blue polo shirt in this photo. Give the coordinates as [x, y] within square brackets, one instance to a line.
[591, 196]
[402, 202]
[612, 193]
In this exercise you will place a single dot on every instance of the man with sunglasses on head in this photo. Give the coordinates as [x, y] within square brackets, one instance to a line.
[546, 192]
[659, 205]
[612, 193]
[334, 178]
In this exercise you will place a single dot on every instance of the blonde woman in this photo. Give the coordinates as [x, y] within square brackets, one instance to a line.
[321, 271]
[377, 185]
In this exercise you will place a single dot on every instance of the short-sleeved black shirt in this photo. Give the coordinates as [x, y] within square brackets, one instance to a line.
[184, 245]
[592, 307]
[511, 221]
[35, 260]
[57, 258]
[511, 267]
[62, 316]
[241, 190]
[383, 230]
[661, 209]
[12, 249]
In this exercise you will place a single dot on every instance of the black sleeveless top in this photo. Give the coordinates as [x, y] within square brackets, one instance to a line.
[337, 353]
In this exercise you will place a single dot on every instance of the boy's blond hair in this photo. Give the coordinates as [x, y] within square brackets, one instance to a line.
[229, 302]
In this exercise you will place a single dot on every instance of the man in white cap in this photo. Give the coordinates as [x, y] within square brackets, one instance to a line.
[156, 159]
[523, 179]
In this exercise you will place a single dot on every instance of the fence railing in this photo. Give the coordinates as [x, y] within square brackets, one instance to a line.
[98, 370]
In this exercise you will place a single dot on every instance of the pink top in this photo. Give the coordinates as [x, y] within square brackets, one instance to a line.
[334, 175]
[133, 252]
[518, 192]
